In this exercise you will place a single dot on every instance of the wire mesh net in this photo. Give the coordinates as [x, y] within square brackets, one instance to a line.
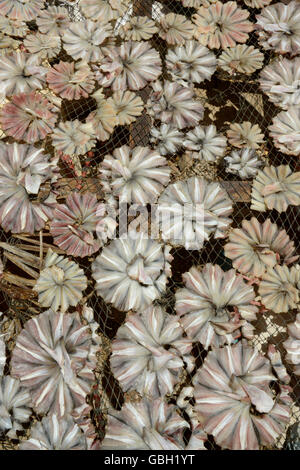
[226, 100]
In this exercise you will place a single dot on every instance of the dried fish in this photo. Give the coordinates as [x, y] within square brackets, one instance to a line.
[235, 403]
[292, 345]
[254, 247]
[275, 188]
[214, 305]
[134, 175]
[222, 25]
[150, 352]
[60, 283]
[190, 211]
[132, 272]
[51, 359]
[147, 424]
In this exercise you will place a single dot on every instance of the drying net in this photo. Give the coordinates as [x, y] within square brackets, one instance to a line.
[226, 100]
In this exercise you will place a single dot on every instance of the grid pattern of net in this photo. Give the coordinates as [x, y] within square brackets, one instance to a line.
[225, 101]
